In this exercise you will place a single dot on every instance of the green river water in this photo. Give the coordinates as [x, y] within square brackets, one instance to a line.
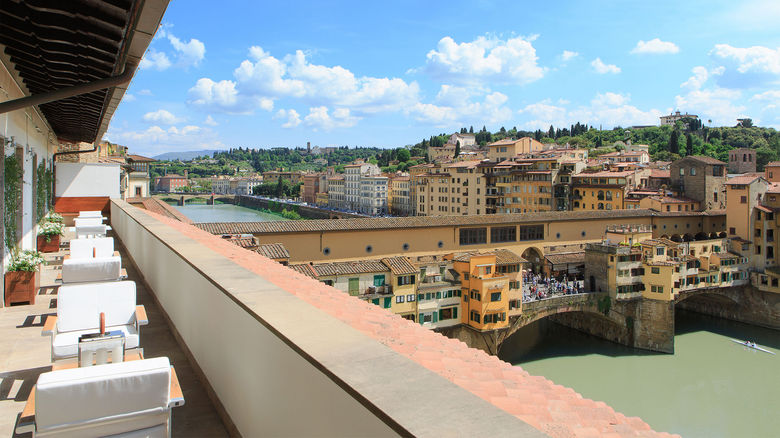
[710, 386]
[225, 213]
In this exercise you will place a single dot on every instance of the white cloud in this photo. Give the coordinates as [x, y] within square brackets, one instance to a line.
[224, 96]
[602, 68]
[263, 78]
[291, 118]
[210, 121]
[655, 47]
[453, 107]
[155, 60]
[128, 97]
[190, 53]
[155, 139]
[485, 59]
[755, 59]
[608, 109]
[162, 116]
[184, 55]
[145, 92]
[767, 96]
[319, 118]
[716, 104]
[568, 54]
[695, 82]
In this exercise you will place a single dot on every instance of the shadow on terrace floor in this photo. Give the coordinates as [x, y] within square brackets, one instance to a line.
[25, 354]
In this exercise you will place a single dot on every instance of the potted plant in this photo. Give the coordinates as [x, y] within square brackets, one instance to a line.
[49, 236]
[21, 280]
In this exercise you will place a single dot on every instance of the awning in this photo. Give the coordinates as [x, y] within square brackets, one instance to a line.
[55, 44]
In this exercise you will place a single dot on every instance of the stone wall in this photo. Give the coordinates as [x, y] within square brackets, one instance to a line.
[654, 326]
[744, 303]
[308, 212]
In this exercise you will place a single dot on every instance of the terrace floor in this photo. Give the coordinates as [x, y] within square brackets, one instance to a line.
[25, 354]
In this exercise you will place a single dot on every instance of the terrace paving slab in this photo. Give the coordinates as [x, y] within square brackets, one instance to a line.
[25, 354]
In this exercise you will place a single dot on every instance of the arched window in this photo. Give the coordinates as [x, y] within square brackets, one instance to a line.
[609, 196]
[601, 205]
[601, 195]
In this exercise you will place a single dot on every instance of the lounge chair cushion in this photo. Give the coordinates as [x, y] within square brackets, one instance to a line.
[95, 269]
[67, 398]
[65, 344]
[79, 305]
[91, 230]
[87, 221]
[83, 248]
[90, 213]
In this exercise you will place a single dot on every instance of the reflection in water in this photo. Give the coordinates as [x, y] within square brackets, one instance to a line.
[709, 387]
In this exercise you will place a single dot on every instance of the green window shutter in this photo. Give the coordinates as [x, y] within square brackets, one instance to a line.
[435, 316]
[379, 280]
[438, 295]
[419, 297]
[420, 319]
[354, 286]
[388, 302]
[454, 312]
[375, 301]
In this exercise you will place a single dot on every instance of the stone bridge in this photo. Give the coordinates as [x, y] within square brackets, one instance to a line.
[632, 320]
[306, 211]
[182, 198]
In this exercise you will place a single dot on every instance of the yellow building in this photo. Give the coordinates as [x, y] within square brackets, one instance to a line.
[668, 203]
[400, 201]
[485, 292]
[508, 148]
[454, 189]
[604, 190]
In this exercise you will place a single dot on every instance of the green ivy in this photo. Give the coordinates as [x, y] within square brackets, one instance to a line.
[13, 187]
[604, 304]
[43, 191]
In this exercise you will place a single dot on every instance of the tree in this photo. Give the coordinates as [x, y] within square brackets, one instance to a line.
[471, 130]
[688, 144]
[551, 132]
[403, 155]
[674, 142]
[279, 188]
[457, 149]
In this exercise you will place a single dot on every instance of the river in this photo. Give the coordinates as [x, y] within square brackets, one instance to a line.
[710, 386]
[225, 213]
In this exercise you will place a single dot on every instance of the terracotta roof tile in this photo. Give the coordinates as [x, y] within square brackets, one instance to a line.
[566, 258]
[399, 265]
[744, 179]
[273, 251]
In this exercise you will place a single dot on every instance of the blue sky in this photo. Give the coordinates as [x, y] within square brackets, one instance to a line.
[267, 74]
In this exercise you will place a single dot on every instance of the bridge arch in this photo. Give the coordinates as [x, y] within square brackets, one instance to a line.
[535, 257]
[675, 238]
[721, 295]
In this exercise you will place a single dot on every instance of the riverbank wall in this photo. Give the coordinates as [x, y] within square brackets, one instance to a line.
[306, 211]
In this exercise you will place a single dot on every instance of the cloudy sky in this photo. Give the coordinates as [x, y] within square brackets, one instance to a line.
[266, 74]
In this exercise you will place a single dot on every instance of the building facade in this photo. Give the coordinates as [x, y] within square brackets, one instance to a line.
[700, 178]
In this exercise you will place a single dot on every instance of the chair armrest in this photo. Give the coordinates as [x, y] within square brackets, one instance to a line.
[26, 422]
[140, 315]
[116, 253]
[123, 274]
[176, 396]
[50, 326]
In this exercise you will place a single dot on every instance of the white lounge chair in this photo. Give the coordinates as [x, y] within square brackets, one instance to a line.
[91, 213]
[83, 231]
[95, 247]
[78, 313]
[87, 221]
[84, 270]
[129, 399]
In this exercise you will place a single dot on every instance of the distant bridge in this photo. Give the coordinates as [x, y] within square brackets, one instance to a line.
[182, 198]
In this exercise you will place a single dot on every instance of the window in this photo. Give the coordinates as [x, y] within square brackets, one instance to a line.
[495, 296]
[328, 282]
[732, 230]
[448, 313]
[405, 279]
[410, 298]
[379, 280]
[659, 251]
[682, 171]
[743, 199]
[717, 171]
[354, 285]
[503, 234]
[399, 299]
[693, 171]
[473, 236]
[474, 316]
[531, 232]
[655, 270]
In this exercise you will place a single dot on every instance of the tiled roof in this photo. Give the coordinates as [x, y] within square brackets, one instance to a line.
[273, 251]
[605, 174]
[399, 265]
[318, 225]
[503, 142]
[467, 164]
[672, 200]
[660, 173]
[140, 158]
[503, 257]
[566, 258]
[553, 409]
[304, 269]
[772, 164]
[773, 188]
[346, 268]
[744, 179]
[160, 207]
[705, 159]
[243, 242]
